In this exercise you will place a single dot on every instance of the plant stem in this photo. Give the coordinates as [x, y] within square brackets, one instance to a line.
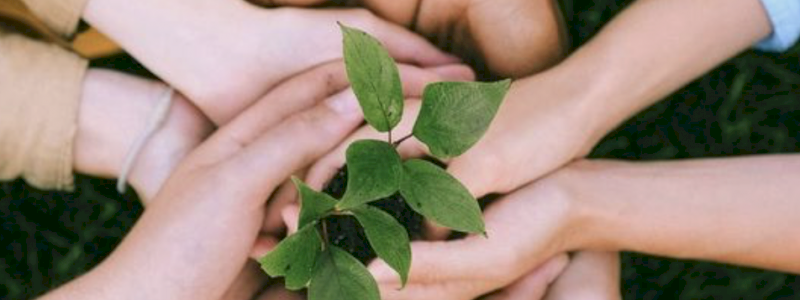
[390, 136]
[325, 230]
[403, 139]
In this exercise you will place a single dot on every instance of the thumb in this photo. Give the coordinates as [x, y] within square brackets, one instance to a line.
[291, 217]
[441, 261]
[534, 284]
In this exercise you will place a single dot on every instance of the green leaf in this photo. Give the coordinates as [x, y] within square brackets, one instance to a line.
[313, 205]
[374, 169]
[374, 77]
[294, 258]
[339, 276]
[455, 115]
[388, 237]
[438, 196]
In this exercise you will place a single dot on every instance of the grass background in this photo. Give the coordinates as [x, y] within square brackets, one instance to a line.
[749, 105]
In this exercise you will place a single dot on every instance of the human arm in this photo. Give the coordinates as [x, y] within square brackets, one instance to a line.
[734, 210]
[554, 117]
[195, 237]
[226, 54]
[114, 109]
[511, 38]
[647, 52]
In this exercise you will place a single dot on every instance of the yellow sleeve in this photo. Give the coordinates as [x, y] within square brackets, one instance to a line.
[40, 90]
[61, 16]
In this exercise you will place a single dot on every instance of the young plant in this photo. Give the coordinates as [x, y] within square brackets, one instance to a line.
[453, 117]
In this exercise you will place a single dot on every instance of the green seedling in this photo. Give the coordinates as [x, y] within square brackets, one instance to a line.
[453, 117]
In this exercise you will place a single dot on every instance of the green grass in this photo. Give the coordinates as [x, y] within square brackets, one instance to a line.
[749, 105]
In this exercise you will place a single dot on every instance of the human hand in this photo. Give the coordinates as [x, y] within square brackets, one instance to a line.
[541, 126]
[414, 81]
[585, 275]
[513, 38]
[113, 111]
[525, 230]
[225, 54]
[194, 238]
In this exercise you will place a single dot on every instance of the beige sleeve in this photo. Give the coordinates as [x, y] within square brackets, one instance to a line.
[40, 90]
[61, 16]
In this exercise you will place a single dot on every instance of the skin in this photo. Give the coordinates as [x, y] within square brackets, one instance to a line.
[650, 50]
[217, 194]
[114, 108]
[510, 38]
[738, 211]
[194, 50]
[609, 90]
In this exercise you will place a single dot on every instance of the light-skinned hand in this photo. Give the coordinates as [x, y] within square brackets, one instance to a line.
[194, 239]
[512, 38]
[226, 54]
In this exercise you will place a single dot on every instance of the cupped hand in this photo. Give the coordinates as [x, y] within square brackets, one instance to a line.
[513, 38]
[414, 81]
[195, 237]
[525, 230]
[226, 54]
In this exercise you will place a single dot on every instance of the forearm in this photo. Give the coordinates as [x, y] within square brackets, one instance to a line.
[166, 255]
[739, 211]
[652, 49]
[173, 39]
[113, 112]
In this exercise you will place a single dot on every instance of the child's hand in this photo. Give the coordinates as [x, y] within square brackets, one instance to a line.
[513, 38]
[226, 54]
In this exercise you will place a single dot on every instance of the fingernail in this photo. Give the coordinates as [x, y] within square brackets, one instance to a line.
[344, 103]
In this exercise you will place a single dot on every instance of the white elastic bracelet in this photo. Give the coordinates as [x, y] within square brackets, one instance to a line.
[157, 119]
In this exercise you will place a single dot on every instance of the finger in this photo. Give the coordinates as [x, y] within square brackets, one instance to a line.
[299, 140]
[435, 262]
[291, 216]
[300, 3]
[325, 168]
[285, 195]
[296, 94]
[247, 283]
[402, 44]
[415, 79]
[399, 12]
[590, 275]
[263, 245]
[534, 285]
[454, 72]
[436, 232]
[277, 292]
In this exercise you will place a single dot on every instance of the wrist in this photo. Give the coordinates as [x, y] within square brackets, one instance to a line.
[569, 98]
[592, 219]
[183, 42]
[114, 110]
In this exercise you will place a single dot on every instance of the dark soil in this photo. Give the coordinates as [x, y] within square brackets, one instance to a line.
[345, 232]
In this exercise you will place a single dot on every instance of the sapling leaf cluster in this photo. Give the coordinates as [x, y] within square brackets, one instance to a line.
[453, 117]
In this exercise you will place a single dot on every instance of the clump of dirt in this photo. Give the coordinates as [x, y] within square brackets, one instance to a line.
[346, 233]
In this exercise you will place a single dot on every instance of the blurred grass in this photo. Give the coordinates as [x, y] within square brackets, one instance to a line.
[749, 105]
